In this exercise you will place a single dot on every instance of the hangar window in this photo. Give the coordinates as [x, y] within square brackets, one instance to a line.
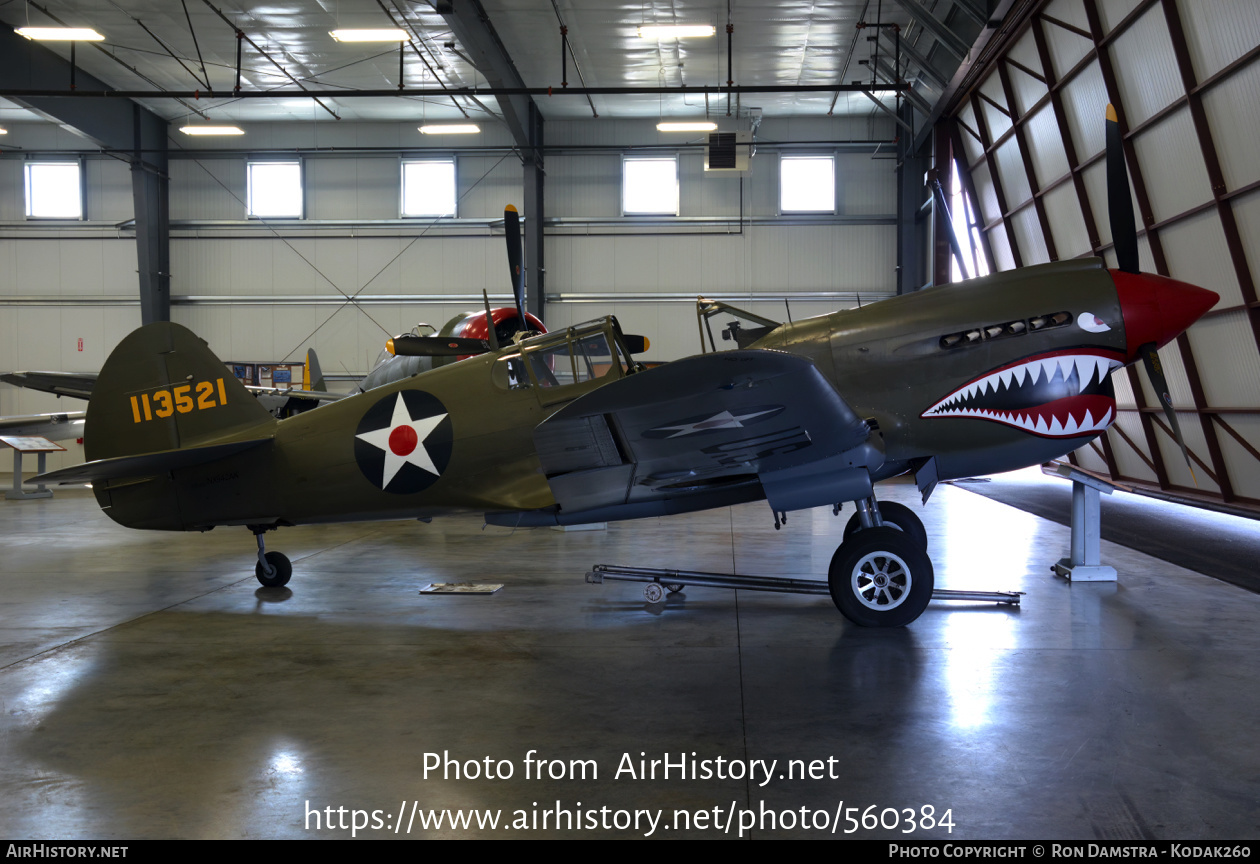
[428, 188]
[54, 190]
[275, 190]
[807, 184]
[649, 187]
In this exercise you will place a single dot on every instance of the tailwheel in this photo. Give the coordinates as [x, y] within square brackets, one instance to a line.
[281, 570]
[881, 577]
[894, 515]
[273, 568]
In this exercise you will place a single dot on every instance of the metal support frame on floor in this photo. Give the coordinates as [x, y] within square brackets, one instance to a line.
[676, 580]
[1084, 562]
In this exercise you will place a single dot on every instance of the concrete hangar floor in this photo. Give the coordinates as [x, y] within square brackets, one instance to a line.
[151, 689]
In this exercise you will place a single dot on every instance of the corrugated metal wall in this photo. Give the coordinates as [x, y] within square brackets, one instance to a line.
[1183, 76]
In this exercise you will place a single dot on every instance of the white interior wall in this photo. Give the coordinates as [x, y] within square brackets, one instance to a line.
[268, 291]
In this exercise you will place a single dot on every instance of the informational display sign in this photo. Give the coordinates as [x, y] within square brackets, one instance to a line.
[262, 374]
[31, 444]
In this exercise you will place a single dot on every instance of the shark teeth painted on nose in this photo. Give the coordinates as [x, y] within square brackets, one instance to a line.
[1061, 394]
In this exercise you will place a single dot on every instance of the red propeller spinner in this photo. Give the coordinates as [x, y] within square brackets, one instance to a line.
[1158, 309]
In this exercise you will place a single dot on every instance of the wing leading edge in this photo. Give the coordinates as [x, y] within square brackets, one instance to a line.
[706, 431]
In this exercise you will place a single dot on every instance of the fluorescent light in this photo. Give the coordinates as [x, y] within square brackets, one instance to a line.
[451, 129]
[4, 131]
[66, 34]
[370, 35]
[686, 127]
[675, 31]
[212, 130]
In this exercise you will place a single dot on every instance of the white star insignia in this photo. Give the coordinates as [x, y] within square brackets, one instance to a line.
[403, 441]
[723, 420]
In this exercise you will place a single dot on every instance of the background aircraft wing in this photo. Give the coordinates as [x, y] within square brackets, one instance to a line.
[54, 427]
[729, 426]
[281, 403]
[76, 384]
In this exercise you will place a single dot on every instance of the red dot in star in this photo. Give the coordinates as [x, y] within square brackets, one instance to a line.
[403, 440]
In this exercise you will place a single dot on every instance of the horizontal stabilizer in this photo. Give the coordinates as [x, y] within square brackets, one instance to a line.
[145, 464]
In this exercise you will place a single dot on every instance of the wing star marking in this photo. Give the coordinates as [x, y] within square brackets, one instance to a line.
[721, 420]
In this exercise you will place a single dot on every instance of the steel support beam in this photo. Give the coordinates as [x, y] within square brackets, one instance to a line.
[472, 27]
[1005, 17]
[1025, 154]
[948, 39]
[535, 269]
[115, 125]
[911, 228]
[929, 71]
[887, 73]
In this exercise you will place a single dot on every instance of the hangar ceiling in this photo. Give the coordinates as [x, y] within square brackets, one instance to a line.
[190, 47]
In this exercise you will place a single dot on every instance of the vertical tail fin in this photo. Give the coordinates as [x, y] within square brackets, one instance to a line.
[313, 376]
[162, 388]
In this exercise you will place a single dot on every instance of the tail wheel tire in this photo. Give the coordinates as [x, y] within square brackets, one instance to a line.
[894, 515]
[282, 568]
[881, 577]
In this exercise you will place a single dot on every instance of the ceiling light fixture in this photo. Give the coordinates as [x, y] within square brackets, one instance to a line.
[694, 126]
[212, 130]
[3, 131]
[63, 34]
[392, 35]
[675, 31]
[451, 129]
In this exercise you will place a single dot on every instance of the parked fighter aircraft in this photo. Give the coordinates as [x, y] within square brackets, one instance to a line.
[563, 428]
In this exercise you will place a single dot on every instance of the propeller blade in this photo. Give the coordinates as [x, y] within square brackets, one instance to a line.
[1150, 357]
[1119, 202]
[512, 231]
[491, 336]
[435, 346]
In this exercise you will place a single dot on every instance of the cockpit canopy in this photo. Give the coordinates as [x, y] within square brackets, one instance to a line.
[575, 355]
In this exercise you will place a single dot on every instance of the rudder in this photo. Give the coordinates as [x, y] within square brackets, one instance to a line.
[162, 388]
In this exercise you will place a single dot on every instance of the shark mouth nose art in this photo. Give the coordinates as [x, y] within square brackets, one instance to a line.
[1060, 394]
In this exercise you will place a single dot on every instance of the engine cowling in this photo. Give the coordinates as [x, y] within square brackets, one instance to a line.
[507, 323]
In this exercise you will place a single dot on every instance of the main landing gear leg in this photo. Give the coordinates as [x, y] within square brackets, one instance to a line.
[881, 575]
[273, 568]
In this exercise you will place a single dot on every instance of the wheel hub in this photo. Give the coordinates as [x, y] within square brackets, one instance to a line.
[881, 581]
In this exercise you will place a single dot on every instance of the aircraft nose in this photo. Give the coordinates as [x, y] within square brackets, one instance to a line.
[1158, 309]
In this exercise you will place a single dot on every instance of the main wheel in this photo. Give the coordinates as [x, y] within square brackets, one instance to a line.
[881, 577]
[895, 515]
[283, 570]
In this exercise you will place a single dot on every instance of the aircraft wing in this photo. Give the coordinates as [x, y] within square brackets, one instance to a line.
[76, 384]
[310, 395]
[729, 426]
[54, 427]
[286, 403]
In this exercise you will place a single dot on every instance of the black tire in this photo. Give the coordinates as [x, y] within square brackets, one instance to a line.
[881, 577]
[899, 516]
[283, 568]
